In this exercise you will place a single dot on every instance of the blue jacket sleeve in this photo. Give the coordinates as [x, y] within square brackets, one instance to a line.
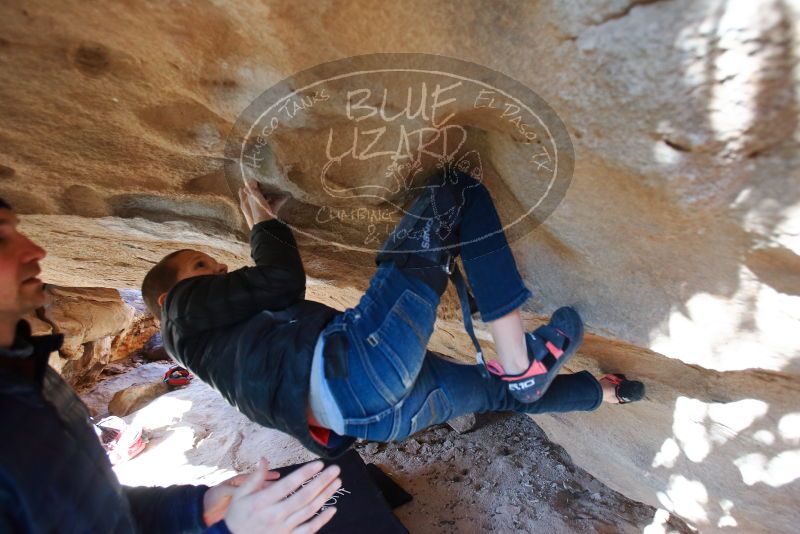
[170, 510]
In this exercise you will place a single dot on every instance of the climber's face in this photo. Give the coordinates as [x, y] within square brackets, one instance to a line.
[191, 263]
[21, 291]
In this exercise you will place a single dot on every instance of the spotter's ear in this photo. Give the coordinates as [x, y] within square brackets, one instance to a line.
[161, 298]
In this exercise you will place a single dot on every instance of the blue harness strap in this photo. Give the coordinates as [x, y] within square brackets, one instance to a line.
[466, 312]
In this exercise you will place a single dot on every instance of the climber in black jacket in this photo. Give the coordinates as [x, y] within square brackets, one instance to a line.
[327, 377]
[56, 477]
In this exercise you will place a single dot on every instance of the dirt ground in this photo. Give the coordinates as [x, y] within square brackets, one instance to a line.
[503, 476]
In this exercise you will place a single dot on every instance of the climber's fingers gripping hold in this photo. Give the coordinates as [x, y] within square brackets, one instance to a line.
[256, 206]
[271, 203]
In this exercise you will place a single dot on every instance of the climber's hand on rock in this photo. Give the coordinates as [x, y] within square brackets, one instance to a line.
[217, 498]
[255, 508]
[256, 206]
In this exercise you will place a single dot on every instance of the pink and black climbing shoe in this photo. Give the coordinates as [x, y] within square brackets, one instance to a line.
[549, 348]
[625, 390]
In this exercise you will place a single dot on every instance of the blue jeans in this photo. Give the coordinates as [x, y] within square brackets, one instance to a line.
[392, 387]
[389, 386]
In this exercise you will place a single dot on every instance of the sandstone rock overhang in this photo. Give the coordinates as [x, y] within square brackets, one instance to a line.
[677, 238]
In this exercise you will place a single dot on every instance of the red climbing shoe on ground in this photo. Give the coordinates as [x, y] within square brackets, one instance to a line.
[177, 377]
[625, 390]
[549, 348]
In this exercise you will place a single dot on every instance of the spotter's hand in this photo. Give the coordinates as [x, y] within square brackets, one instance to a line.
[285, 506]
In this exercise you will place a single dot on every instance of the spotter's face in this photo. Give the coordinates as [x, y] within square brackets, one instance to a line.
[21, 291]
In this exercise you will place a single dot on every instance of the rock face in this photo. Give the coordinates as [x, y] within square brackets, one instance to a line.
[142, 328]
[85, 315]
[98, 327]
[677, 239]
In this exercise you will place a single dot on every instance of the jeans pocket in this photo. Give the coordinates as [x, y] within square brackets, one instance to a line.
[397, 348]
[435, 409]
[335, 354]
[377, 427]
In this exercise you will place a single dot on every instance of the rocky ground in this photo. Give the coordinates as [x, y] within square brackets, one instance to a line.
[503, 476]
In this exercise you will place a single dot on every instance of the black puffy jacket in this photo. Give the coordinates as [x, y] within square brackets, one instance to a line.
[250, 334]
[54, 474]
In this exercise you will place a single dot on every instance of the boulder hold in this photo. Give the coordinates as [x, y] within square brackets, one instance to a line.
[135, 397]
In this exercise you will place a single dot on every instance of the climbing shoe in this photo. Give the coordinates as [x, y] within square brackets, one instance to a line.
[177, 376]
[549, 347]
[625, 390]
